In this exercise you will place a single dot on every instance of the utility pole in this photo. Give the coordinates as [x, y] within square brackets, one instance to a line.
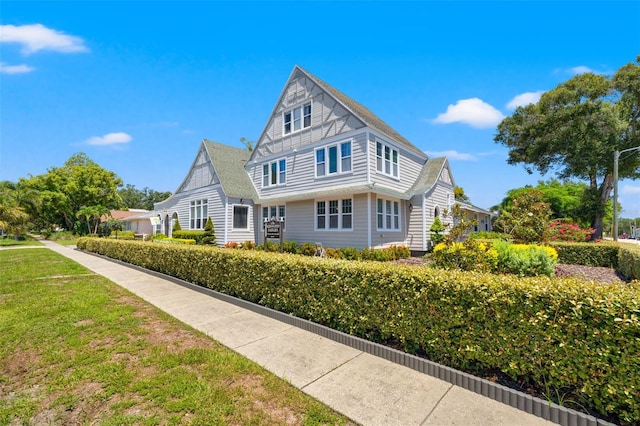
[616, 157]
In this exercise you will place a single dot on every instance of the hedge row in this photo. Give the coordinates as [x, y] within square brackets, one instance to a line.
[562, 335]
[624, 258]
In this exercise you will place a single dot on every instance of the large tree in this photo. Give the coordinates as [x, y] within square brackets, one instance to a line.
[574, 130]
[79, 185]
[133, 198]
[566, 200]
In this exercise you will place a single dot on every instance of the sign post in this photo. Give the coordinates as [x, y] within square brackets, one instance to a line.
[273, 229]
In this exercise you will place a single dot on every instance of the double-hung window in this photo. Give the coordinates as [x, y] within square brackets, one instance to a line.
[296, 119]
[198, 214]
[274, 173]
[387, 159]
[269, 212]
[388, 215]
[240, 217]
[334, 214]
[333, 159]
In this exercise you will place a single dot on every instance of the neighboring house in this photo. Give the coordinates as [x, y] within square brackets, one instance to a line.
[482, 216]
[327, 166]
[137, 220]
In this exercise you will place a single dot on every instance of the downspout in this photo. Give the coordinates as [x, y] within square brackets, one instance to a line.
[368, 193]
[369, 219]
[424, 223]
[226, 218]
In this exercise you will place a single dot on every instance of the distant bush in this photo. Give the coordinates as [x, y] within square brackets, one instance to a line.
[564, 231]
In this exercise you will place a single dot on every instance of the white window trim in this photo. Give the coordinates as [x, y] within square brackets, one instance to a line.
[277, 206]
[340, 215]
[193, 204]
[385, 214]
[233, 213]
[392, 149]
[299, 108]
[270, 173]
[339, 158]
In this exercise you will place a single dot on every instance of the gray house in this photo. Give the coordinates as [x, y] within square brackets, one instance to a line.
[329, 168]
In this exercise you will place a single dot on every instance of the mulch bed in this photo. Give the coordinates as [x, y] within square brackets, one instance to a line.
[594, 273]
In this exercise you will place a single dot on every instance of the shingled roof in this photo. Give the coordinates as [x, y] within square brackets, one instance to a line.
[363, 113]
[228, 163]
[428, 175]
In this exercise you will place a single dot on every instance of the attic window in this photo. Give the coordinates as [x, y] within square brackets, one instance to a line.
[297, 118]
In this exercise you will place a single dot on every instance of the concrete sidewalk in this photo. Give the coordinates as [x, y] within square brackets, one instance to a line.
[368, 389]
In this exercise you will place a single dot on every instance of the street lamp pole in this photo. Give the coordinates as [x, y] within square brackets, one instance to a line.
[616, 157]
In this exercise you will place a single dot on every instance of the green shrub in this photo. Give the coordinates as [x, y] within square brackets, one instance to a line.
[546, 332]
[190, 235]
[307, 249]
[525, 260]
[290, 247]
[123, 235]
[209, 233]
[488, 235]
[349, 253]
[629, 262]
[176, 227]
[248, 245]
[469, 255]
[589, 254]
[437, 229]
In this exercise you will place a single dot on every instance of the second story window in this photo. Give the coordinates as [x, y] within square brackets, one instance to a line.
[274, 173]
[333, 159]
[296, 119]
[386, 159]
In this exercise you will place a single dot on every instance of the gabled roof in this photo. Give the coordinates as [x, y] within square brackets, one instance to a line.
[228, 163]
[429, 175]
[357, 109]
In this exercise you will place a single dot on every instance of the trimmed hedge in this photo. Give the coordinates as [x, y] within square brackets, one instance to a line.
[629, 262]
[558, 334]
[189, 235]
[589, 254]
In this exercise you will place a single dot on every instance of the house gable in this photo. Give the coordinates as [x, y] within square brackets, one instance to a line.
[305, 113]
[201, 174]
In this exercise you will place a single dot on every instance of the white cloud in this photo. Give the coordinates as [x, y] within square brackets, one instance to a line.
[474, 112]
[452, 155]
[14, 69]
[629, 189]
[580, 70]
[525, 99]
[109, 139]
[38, 37]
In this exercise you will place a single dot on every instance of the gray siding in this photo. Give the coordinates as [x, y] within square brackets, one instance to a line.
[300, 225]
[417, 238]
[238, 235]
[301, 169]
[385, 237]
[409, 165]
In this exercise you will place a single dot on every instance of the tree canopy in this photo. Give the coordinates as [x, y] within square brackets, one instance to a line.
[133, 198]
[574, 130]
[72, 195]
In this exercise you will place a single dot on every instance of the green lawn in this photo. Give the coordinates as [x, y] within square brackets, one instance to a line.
[9, 241]
[76, 348]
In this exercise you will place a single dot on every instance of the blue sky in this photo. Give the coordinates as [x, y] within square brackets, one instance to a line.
[137, 85]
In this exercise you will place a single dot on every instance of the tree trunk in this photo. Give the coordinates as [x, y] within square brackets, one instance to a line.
[605, 194]
[598, 225]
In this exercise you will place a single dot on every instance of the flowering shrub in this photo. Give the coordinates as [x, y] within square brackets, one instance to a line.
[231, 244]
[563, 231]
[468, 256]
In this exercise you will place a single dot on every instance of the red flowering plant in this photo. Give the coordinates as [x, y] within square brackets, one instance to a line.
[565, 231]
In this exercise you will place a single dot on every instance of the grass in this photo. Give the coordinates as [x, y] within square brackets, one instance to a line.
[10, 241]
[76, 348]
